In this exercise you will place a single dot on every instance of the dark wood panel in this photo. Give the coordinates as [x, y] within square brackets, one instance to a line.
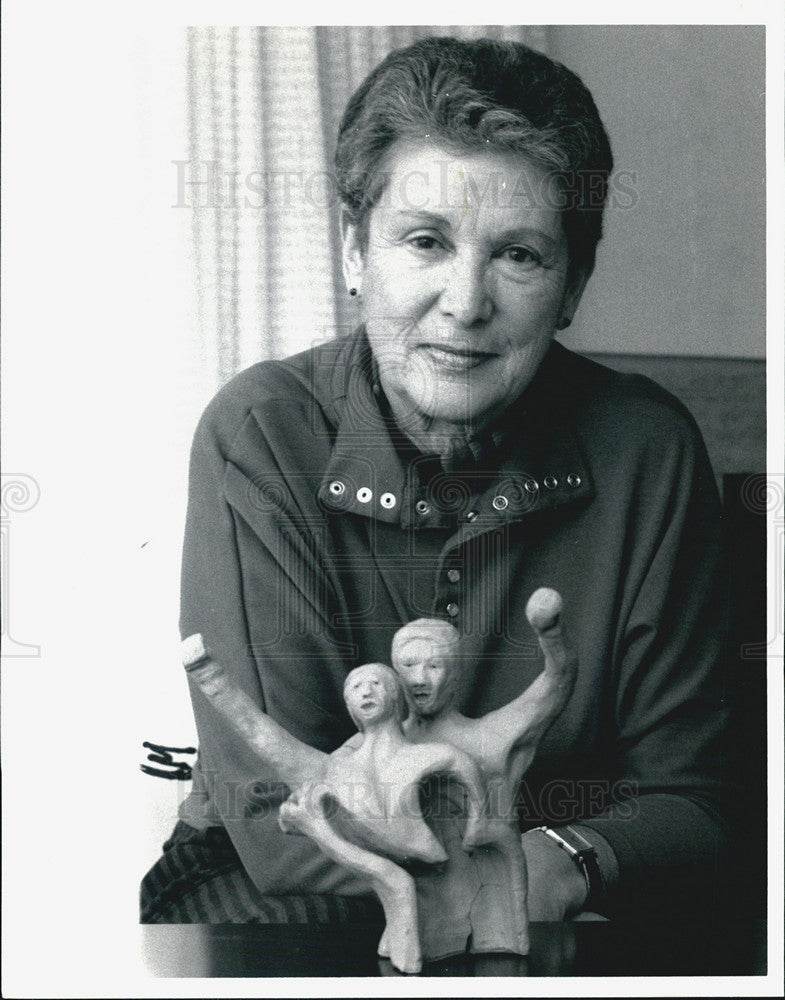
[727, 397]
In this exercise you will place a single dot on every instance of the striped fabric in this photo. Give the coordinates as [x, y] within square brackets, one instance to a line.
[200, 879]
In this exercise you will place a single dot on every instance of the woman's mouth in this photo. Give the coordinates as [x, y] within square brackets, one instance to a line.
[455, 359]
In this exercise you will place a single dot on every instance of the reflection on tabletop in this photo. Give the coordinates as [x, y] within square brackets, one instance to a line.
[577, 948]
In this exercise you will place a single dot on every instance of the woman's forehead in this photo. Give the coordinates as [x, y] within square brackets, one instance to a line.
[430, 178]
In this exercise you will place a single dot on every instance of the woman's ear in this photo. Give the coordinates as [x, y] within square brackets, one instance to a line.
[352, 253]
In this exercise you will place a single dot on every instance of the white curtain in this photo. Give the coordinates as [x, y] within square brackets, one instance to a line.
[264, 107]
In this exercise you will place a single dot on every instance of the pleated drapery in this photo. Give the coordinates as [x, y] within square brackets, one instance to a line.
[264, 105]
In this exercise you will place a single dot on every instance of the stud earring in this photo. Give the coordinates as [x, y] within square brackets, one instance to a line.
[352, 292]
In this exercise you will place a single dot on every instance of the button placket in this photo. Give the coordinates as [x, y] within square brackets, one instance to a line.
[449, 582]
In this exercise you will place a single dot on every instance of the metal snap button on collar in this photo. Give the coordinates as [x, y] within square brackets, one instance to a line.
[573, 479]
[422, 507]
[364, 495]
[452, 609]
[337, 488]
[550, 482]
[388, 500]
[500, 502]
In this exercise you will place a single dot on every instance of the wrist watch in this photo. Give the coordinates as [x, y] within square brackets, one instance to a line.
[584, 856]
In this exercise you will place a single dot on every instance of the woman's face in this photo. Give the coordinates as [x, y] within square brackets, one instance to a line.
[463, 280]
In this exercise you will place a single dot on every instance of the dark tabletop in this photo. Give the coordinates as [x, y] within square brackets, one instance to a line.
[560, 949]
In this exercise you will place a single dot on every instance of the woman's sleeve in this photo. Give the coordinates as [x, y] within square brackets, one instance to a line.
[671, 836]
[248, 568]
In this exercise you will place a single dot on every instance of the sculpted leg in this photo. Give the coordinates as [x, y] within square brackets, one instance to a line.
[510, 846]
[498, 912]
[393, 886]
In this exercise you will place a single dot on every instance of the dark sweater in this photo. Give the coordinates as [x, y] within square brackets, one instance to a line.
[294, 575]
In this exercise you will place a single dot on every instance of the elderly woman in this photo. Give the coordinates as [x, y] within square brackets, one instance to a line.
[445, 461]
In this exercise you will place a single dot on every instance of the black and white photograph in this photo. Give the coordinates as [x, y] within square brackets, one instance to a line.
[393, 503]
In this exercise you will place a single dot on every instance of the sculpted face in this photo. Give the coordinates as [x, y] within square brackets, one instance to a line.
[463, 280]
[428, 672]
[369, 694]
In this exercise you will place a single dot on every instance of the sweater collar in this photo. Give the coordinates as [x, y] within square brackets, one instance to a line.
[532, 461]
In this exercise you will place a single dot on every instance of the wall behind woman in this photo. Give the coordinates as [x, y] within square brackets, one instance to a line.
[682, 268]
[681, 271]
[679, 289]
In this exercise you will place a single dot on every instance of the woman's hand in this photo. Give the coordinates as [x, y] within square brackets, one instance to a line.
[557, 888]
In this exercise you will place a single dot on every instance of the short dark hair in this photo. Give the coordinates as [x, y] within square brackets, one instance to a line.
[475, 95]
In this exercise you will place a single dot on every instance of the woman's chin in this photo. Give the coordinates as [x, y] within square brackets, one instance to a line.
[456, 406]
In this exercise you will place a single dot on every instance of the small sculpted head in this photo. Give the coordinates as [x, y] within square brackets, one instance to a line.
[373, 694]
[425, 655]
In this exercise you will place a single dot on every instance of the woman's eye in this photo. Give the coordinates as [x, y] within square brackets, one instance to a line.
[520, 255]
[424, 242]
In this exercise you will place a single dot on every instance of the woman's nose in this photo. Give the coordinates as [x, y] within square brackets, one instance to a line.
[465, 296]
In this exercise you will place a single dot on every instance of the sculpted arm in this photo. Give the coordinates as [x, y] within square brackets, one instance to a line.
[450, 761]
[524, 721]
[292, 761]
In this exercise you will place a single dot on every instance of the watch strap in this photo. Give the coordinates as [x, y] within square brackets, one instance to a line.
[584, 856]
